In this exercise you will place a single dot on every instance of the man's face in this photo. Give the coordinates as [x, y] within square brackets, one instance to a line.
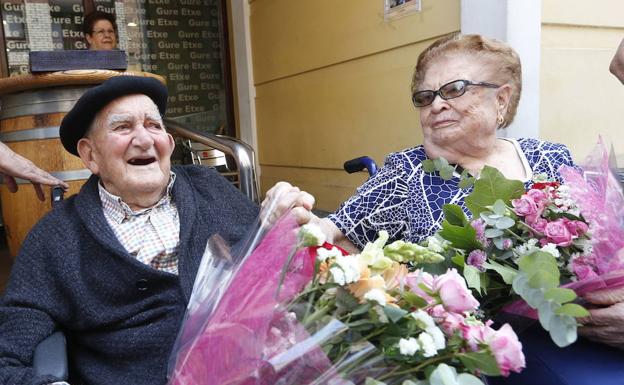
[103, 36]
[129, 149]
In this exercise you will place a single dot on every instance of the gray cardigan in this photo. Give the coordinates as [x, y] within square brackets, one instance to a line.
[120, 316]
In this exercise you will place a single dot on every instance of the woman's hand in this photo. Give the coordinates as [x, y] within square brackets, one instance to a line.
[13, 166]
[606, 323]
[282, 197]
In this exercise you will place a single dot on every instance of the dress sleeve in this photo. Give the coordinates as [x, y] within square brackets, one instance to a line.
[379, 204]
[25, 318]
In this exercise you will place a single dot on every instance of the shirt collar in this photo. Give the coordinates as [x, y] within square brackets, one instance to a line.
[119, 210]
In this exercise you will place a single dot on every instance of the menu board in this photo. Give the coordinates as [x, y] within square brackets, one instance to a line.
[181, 40]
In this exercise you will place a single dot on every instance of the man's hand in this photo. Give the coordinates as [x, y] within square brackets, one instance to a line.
[282, 197]
[606, 323]
[617, 63]
[13, 166]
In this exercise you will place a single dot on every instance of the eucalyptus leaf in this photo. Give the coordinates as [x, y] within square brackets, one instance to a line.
[545, 312]
[468, 379]
[563, 330]
[428, 166]
[499, 207]
[560, 295]
[440, 163]
[446, 173]
[487, 218]
[533, 297]
[505, 223]
[498, 242]
[520, 283]
[573, 310]
[490, 187]
[493, 233]
[543, 279]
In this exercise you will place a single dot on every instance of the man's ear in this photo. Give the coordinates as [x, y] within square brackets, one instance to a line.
[86, 151]
[171, 143]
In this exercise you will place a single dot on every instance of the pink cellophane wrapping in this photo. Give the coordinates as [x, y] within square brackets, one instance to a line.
[248, 326]
[598, 194]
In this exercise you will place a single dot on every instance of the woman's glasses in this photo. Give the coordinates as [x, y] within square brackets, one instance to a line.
[450, 90]
[102, 32]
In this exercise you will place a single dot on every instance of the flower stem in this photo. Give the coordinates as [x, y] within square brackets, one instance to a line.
[419, 367]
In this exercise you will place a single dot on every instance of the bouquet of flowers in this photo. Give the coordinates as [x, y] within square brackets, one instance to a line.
[544, 245]
[297, 310]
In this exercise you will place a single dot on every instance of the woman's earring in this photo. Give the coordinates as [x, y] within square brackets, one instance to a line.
[500, 119]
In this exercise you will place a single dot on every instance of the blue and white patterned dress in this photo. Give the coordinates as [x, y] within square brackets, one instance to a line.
[407, 202]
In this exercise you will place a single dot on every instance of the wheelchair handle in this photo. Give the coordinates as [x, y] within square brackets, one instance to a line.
[56, 194]
[359, 164]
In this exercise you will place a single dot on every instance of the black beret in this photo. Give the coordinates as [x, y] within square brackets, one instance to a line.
[78, 120]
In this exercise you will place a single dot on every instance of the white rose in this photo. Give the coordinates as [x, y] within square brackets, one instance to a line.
[408, 347]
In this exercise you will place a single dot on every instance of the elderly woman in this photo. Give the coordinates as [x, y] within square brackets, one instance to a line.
[465, 87]
[100, 31]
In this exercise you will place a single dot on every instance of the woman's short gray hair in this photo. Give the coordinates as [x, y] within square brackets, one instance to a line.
[502, 57]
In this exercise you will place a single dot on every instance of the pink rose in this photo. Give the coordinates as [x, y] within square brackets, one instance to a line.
[539, 225]
[414, 279]
[577, 228]
[539, 196]
[453, 292]
[506, 348]
[557, 232]
[525, 206]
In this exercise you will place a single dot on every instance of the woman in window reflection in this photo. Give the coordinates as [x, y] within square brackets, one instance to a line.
[100, 31]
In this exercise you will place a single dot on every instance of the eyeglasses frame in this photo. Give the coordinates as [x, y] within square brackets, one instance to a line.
[437, 92]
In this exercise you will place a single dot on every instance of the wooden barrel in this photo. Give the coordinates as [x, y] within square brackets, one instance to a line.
[29, 125]
[32, 107]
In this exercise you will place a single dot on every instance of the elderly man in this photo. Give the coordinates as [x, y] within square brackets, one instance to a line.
[114, 265]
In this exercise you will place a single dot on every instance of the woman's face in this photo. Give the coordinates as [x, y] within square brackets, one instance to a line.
[465, 125]
[103, 36]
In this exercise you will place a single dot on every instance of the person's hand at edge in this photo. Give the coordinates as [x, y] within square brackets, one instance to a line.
[617, 63]
[606, 322]
[13, 165]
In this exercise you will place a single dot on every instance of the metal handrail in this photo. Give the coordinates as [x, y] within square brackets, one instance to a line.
[242, 153]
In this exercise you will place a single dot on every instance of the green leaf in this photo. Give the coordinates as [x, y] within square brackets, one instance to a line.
[562, 330]
[573, 310]
[414, 300]
[560, 295]
[458, 259]
[473, 278]
[507, 273]
[363, 308]
[490, 187]
[543, 279]
[461, 237]
[372, 381]
[541, 269]
[346, 300]
[465, 183]
[454, 215]
[428, 166]
[394, 313]
[482, 361]
[468, 379]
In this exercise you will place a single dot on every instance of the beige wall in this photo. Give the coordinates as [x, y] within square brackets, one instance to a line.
[580, 98]
[332, 83]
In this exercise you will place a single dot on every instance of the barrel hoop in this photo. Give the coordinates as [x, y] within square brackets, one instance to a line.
[37, 109]
[30, 134]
